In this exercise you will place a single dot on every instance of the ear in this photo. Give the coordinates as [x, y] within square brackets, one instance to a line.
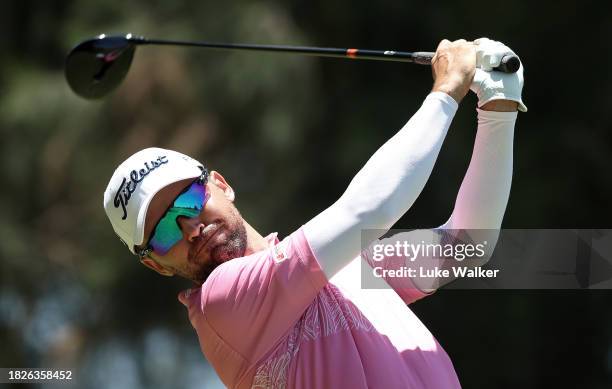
[151, 264]
[216, 178]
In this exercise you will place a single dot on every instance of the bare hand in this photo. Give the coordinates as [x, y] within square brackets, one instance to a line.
[453, 67]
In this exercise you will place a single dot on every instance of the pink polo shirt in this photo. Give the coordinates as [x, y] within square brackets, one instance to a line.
[272, 320]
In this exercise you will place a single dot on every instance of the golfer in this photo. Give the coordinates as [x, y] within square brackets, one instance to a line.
[290, 313]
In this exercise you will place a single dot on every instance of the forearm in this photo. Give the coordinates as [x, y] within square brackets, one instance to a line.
[483, 196]
[385, 188]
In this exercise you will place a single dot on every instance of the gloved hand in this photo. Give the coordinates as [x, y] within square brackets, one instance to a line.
[492, 85]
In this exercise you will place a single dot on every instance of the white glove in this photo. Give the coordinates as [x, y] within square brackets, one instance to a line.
[493, 85]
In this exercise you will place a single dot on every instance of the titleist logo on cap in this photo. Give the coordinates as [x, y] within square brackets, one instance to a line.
[124, 193]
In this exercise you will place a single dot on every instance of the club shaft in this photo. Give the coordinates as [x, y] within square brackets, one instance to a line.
[508, 64]
[388, 55]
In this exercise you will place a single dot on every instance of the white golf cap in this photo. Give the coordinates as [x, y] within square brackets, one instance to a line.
[134, 184]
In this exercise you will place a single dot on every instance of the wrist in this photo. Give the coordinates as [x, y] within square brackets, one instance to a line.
[454, 88]
[500, 106]
[450, 90]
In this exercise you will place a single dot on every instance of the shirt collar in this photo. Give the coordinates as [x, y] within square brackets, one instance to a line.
[272, 239]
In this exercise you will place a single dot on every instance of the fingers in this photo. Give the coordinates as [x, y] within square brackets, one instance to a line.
[453, 67]
[442, 46]
[459, 47]
[443, 43]
[446, 45]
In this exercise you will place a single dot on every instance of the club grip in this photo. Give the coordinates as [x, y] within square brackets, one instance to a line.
[509, 63]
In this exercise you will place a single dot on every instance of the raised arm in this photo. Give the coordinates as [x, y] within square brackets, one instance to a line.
[484, 192]
[389, 183]
[478, 212]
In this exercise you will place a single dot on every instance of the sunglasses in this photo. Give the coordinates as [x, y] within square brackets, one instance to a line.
[167, 232]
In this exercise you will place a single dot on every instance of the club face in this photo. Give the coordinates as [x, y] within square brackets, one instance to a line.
[97, 66]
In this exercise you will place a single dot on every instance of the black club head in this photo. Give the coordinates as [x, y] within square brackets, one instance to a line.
[95, 67]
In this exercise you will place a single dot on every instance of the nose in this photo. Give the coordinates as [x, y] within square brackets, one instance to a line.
[191, 227]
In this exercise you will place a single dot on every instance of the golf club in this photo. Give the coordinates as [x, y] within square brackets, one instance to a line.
[97, 66]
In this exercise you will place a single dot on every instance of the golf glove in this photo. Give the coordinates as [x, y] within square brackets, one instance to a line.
[493, 85]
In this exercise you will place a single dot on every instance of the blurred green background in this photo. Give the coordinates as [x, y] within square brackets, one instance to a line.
[288, 132]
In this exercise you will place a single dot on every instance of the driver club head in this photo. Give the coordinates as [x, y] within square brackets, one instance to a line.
[95, 67]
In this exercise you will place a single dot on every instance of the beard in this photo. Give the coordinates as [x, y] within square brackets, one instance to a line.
[233, 247]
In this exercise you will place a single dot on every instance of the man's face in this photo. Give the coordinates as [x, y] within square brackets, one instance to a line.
[216, 236]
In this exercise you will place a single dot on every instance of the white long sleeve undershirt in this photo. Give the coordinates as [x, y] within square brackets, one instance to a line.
[385, 188]
[483, 196]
